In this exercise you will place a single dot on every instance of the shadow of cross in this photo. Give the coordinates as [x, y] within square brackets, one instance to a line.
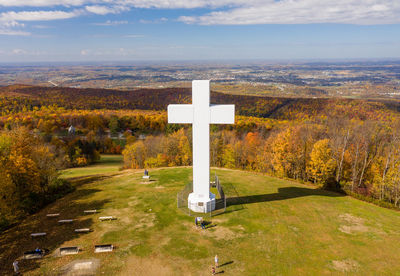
[282, 194]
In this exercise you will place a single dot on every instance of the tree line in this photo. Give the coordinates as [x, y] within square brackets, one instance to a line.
[29, 170]
[359, 157]
[340, 144]
[18, 98]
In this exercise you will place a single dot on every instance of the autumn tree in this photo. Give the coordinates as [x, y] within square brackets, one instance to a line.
[321, 166]
[339, 131]
[228, 157]
[29, 169]
[288, 153]
[134, 155]
[252, 142]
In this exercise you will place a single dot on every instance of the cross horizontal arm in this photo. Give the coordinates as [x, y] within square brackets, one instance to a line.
[222, 114]
[180, 114]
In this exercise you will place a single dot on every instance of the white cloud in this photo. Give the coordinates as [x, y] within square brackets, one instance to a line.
[133, 36]
[111, 23]
[155, 21]
[102, 10]
[107, 52]
[36, 15]
[13, 24]
[13, 32]
[19, 52]
[10, 25]
[42, 27]
[99, 35]
[226, 12]
[368, 12]
[12, 28]
[160, 4]
[43, 3]
[187, 4]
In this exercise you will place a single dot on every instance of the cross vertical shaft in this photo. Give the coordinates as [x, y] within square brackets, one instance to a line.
[201, 137]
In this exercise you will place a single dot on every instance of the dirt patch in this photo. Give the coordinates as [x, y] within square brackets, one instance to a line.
[351, 219]
[217, 232]
[294, 228]
[240, 227]
[345, 265]
[353, 228]
[146, 266]
[221, 233]
[133, 201]
[151, 181]
[123, 215]
[81, 267]
[145, 221]
[352, 224]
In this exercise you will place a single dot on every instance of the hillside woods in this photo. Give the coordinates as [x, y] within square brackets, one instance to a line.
[340, 144]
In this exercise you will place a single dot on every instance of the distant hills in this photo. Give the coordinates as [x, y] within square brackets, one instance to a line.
[158, 99]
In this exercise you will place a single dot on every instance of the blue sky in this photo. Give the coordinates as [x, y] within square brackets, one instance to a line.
[129, 30]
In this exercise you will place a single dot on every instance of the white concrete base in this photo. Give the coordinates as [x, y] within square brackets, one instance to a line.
[200, 203]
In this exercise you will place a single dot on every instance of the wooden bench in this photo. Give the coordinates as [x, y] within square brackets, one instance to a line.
[28, 255]
[34, 235]
[107, 218]
[103, 248]
[65, 221]
[71, 250]
[82, 230]
[53, 215]
[90, 211]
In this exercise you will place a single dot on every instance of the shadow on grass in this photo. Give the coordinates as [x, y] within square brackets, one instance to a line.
[149, 180]
[208, 224]
[224, 264]
[17, 240]
[80, 180]
[110, 159]
[282, 194]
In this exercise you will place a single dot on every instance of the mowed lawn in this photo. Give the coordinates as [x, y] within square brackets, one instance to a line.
[107, 164]
[272, 227]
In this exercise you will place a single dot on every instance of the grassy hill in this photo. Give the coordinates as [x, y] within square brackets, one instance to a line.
[273, 227]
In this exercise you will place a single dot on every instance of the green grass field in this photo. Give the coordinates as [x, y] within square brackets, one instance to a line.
[107, 164]
[281, 228]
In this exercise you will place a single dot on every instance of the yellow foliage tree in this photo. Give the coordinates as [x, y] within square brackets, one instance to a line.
[321, 166]
[185, 152]
[28, 166]
[134, 155]
[228, 157]
[284, 154]
[156, 162]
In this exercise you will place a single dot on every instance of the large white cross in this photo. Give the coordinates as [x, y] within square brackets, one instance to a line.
[201, 115]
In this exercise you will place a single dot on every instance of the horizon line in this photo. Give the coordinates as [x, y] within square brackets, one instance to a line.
[203, 61]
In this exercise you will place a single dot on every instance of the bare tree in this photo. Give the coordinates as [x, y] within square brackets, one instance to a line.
[339, 132]
[373, 135]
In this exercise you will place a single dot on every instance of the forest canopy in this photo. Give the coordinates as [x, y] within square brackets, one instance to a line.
[342, 144]
[28, 173]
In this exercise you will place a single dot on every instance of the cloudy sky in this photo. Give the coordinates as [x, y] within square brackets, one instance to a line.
[125, 30]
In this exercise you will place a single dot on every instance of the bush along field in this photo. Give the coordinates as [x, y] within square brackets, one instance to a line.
[270, 227]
